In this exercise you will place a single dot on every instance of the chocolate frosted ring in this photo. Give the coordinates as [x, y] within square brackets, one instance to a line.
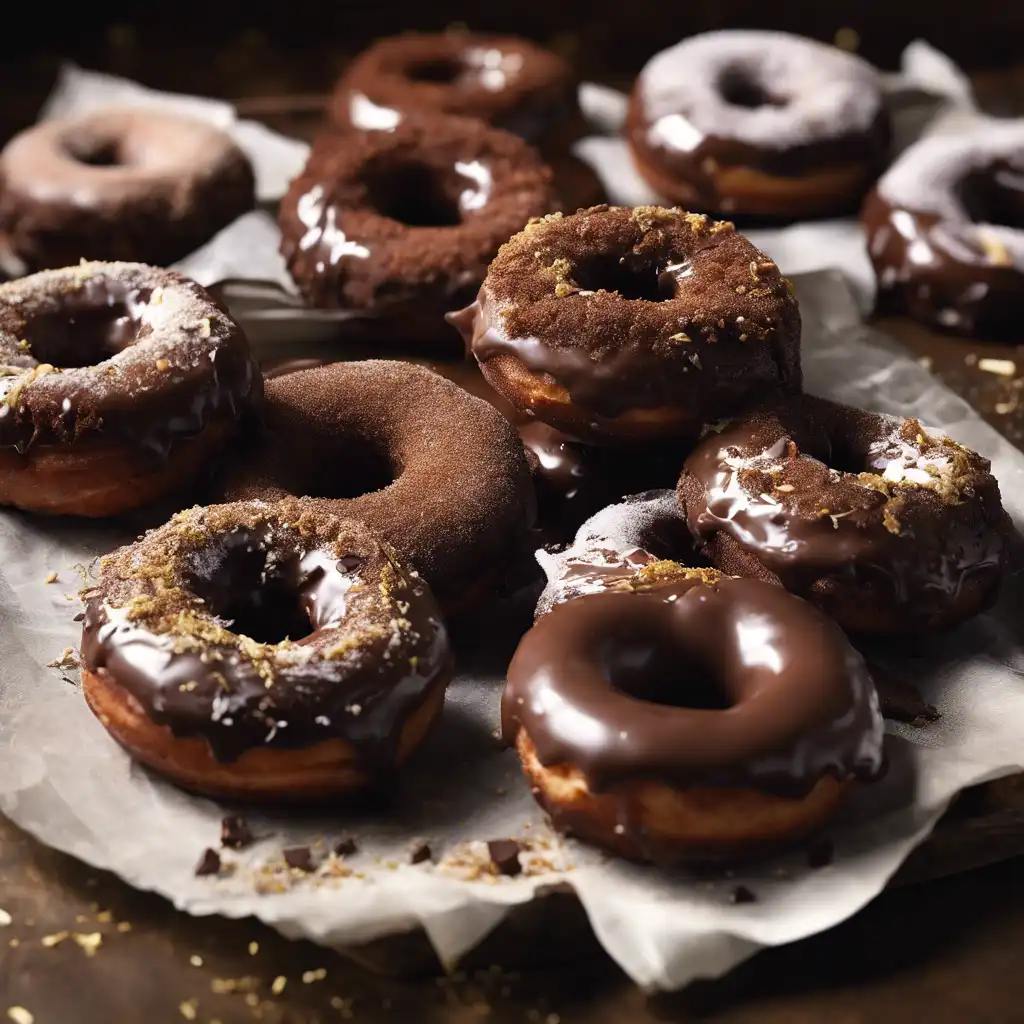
[265, 652]
[765, 123]
[439, 475]
[118, 382]
[886, 527]
[385, 221]
[136, 185]
[633, 323]
[508, 81]
[940, 234]
[722, 717]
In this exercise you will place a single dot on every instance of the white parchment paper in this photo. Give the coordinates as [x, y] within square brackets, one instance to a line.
[65, 781]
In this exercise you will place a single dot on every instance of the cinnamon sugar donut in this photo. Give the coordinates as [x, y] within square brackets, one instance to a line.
[888, 528]
[700, 743]
[120, 184]
[118, 384]
[264, 652]
[437, 474]
[633, 323]
[406, 221]
[945, 231]
[511, 82]
[764, 123]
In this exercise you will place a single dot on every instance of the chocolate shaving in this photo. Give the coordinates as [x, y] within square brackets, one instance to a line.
[209, 863]
[504, 854]
[420, 853]
[235, 833]
[300, 858]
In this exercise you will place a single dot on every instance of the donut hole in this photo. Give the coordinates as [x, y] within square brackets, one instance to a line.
[440, 71]
[632, 281]
[84, 335]
[993, 197]
[258, 596]
[649, 666]
[739, 88]
[348, 470]
[413, 194]
[94, 152]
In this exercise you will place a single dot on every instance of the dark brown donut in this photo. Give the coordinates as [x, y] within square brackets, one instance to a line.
[511, 82]
[697, 743]
[944, 229]
[134, 185]
[763, 123]
[387, 221]
[264, 651]
[118, 382]
[440, 475]
[640, 322]
[887, 528]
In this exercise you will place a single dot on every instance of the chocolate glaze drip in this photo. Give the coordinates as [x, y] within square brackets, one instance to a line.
[776, 483]
[117, 350]
[290, 696]
[735, 684]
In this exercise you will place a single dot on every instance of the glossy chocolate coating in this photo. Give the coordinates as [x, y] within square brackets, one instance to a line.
[376, 645]
[117, 350]
[945, 232]
[119, 184]
[736, 683]
[835, 503]
[639, 308]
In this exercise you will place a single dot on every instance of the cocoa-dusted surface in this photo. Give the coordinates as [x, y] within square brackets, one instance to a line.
[638, 308]
[888, 528]
[345, 221]
[254, 625]
[154, 358]
[450, 485]
[119, 185]
[507, 80]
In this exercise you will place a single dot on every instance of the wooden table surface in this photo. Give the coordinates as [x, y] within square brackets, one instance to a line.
[79, 947]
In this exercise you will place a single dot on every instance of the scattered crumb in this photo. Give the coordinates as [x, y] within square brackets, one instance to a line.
[51, 577]
[49, 941]
[124, 926]
[89, 941]
[20, 1015]
[163, 365]
[278, 984]
[1003, 367]
[5, 919]
[188, 1009]
[67, 659]
[254, 948]
[195, 960]
[308, 977]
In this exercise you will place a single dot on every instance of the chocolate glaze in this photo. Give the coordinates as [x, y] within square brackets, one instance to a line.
[508, 81]
[639, 308]
[117, 350]
[119, 184]
[774, 103]
[376, 647]
[945, 232]
[736, 684]
[831, 500]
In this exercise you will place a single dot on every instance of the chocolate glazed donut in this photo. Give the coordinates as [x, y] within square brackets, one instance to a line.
[759, 123]
[439, 475]
[945, 228]
[264, 652]
[118, 385]
[508, 81]
[886, 527]
[724, 717]
[134, 185]
[633, 323]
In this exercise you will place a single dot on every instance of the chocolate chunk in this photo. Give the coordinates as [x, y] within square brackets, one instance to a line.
[79, 617]
[900, 700]
[235, 833]
[349, 563]
[741, 894]
[346, 846]
[209, 863]
[420, 853]
[820, 853]
[300, 858]
[504, 854]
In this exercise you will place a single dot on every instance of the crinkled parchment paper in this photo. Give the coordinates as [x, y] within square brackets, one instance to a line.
[65, 781]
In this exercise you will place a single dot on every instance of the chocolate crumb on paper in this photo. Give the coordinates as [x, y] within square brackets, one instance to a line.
[421, 853]
[741, 894]
[300, 858]
[209, 863]
[345, 847]
[504, 854]
[235, 833]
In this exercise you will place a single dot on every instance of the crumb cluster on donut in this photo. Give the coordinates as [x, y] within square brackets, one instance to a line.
[121, 184]
[119, 383]
[632, 323]
[758, 123]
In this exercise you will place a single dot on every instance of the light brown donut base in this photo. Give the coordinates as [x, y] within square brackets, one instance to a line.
[680, 824]
[103, 478]
[328, 769]
[552, 403]
[755, 193]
